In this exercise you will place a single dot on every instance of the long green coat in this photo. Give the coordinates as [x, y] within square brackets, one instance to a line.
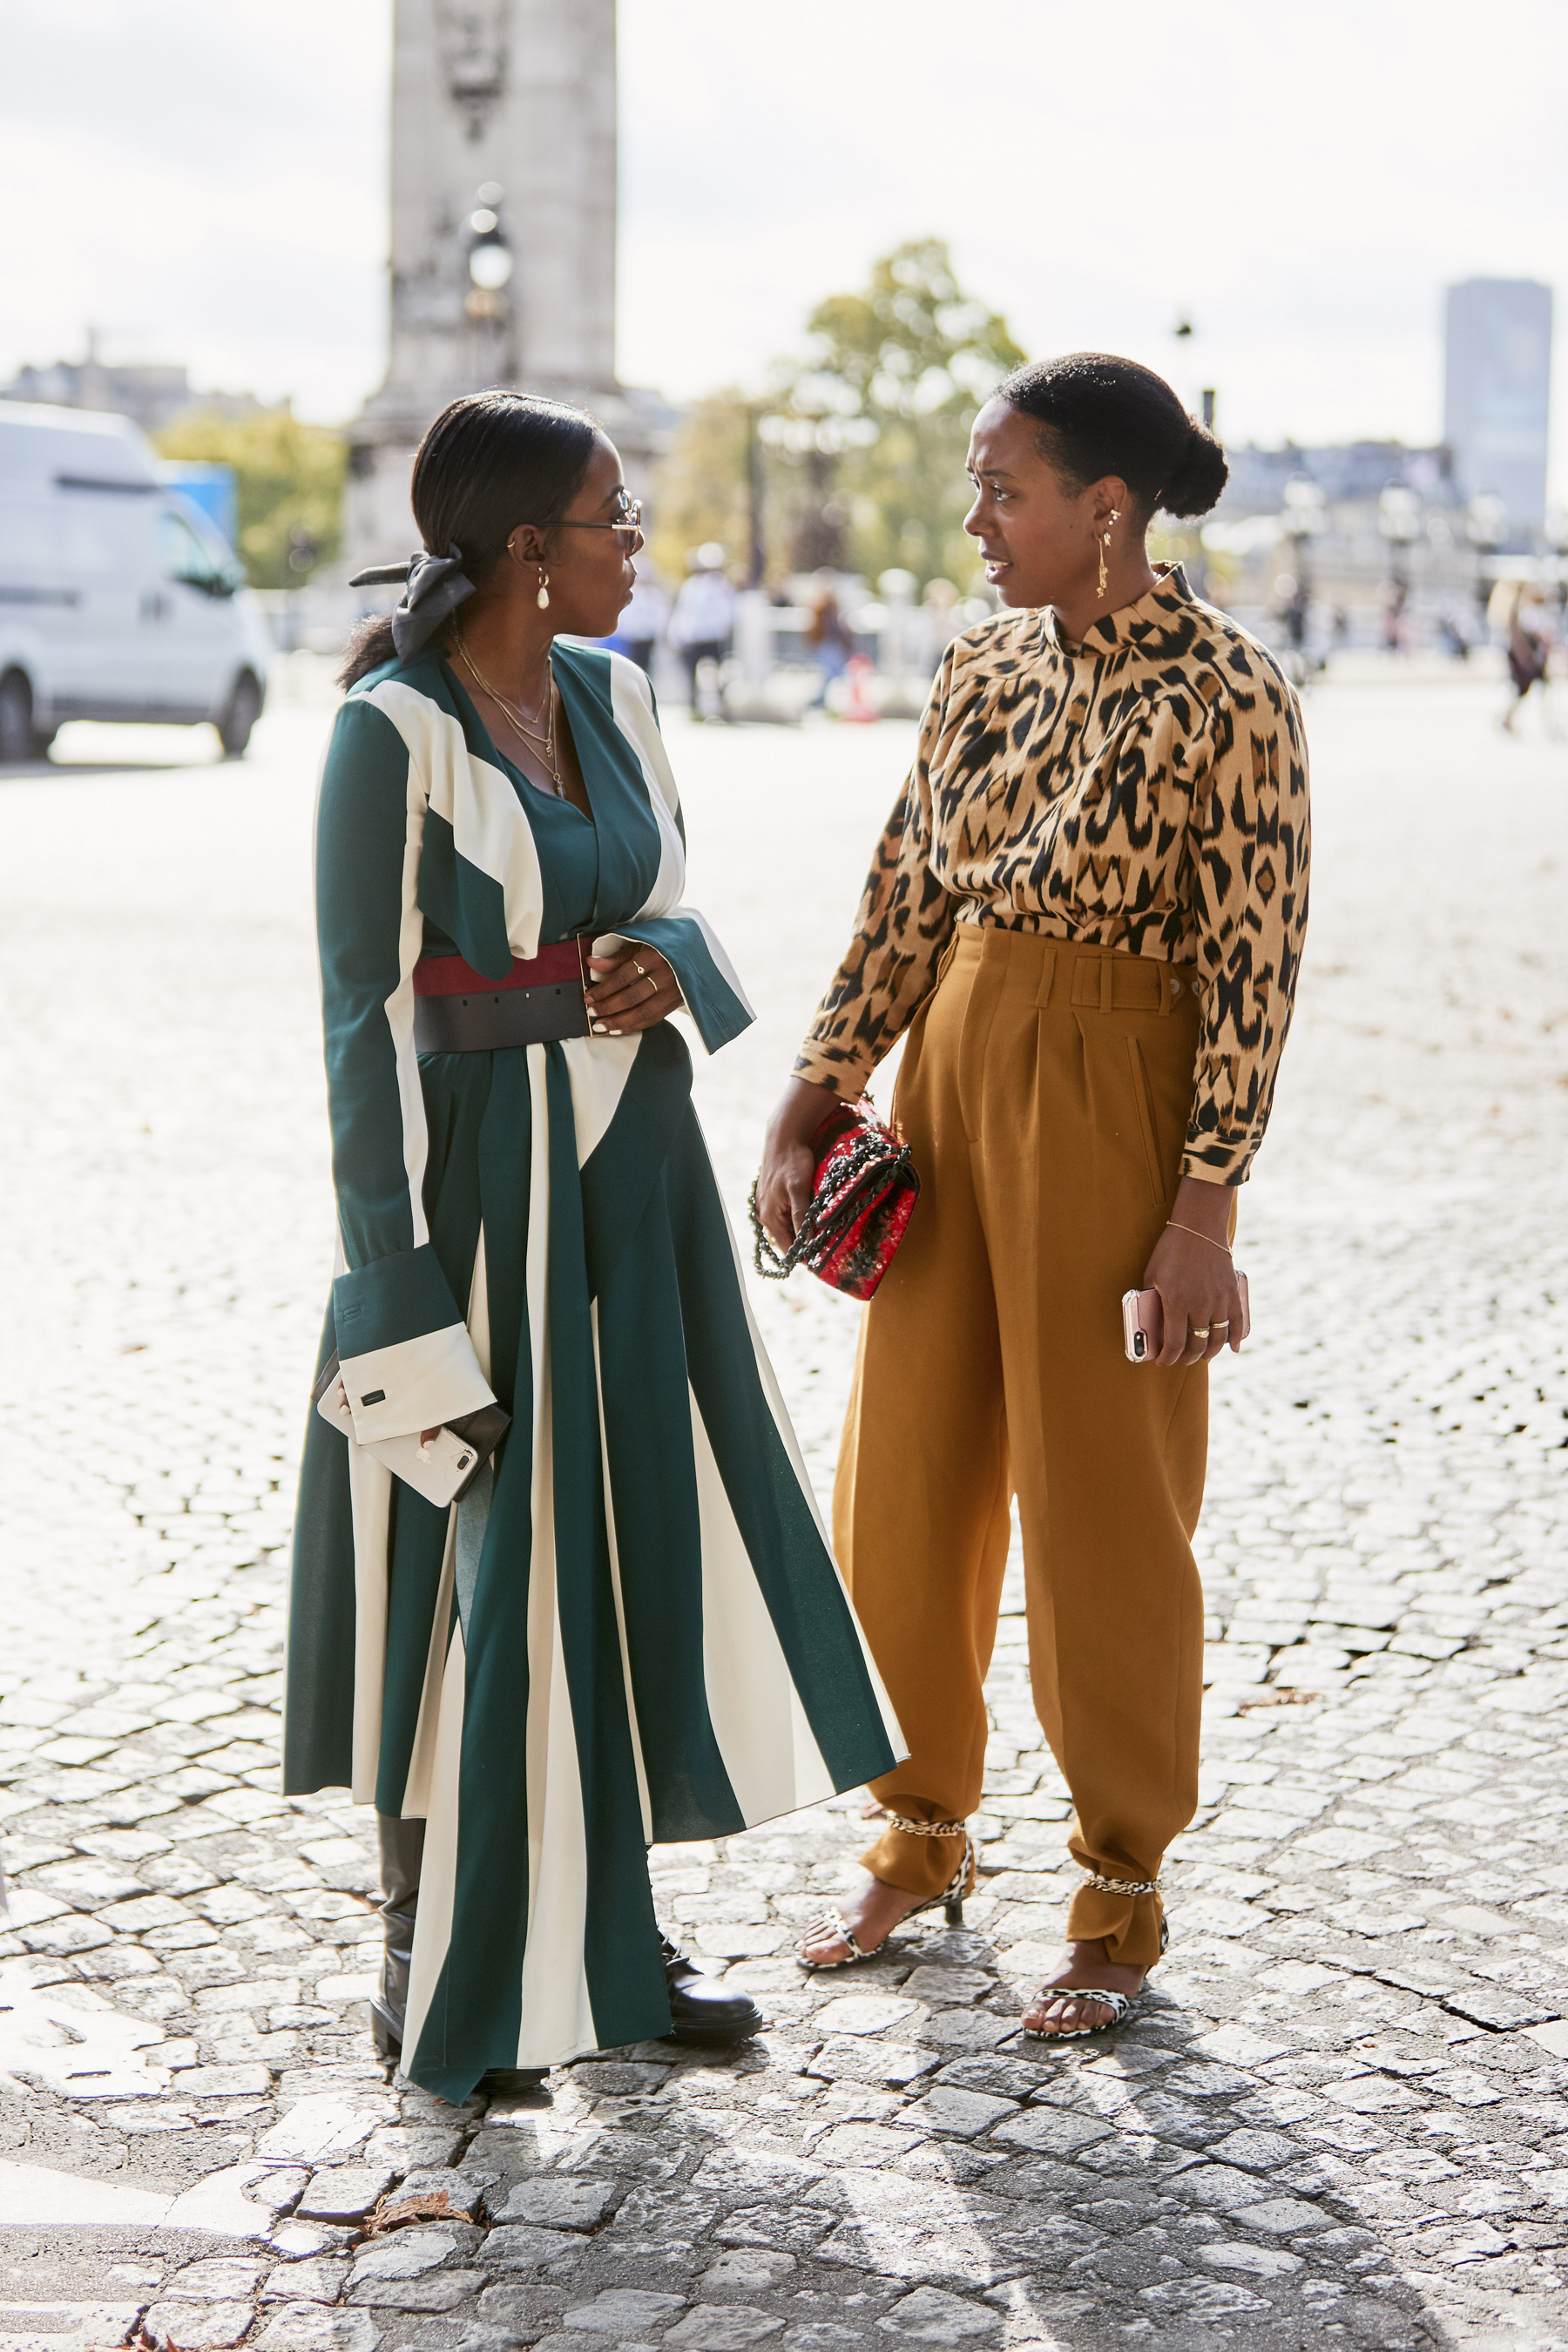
[632, 1629]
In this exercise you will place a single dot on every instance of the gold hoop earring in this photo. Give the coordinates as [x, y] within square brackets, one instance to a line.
[1103, 544]
[543, 589]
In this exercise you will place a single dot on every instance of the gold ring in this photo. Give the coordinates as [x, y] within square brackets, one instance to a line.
[1199, 1331]
[1223, 1324]
[640, 970]
[653, 983]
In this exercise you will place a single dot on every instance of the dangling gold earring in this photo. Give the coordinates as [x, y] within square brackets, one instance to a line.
[1104, 575]
[543, 589]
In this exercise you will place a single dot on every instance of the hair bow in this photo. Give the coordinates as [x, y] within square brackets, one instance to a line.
[433, 586]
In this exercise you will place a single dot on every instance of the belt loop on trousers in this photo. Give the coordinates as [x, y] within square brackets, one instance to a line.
[1048, 978]
[1107, 983]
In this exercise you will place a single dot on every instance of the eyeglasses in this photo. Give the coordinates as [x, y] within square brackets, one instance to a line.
[628, 522]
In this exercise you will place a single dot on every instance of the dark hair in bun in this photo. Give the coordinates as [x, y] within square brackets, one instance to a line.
[1098, 414]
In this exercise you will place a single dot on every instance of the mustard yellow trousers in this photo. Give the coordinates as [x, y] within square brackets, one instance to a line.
[1045, 1090]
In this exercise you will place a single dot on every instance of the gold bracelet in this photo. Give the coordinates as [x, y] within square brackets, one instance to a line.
[1196, 1236]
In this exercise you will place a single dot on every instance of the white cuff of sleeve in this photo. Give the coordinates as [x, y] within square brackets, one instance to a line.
[414, 1384]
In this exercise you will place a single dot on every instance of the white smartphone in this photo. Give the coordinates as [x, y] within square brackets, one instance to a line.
[440, 1471]
[1144, 1321]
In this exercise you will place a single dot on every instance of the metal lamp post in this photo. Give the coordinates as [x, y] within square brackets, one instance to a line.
[490, 260]
[1486, 528]
[1301, 517]
[1399, 520]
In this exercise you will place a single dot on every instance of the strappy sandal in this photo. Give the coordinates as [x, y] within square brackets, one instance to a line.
[951, 1898]
[1120, 2004]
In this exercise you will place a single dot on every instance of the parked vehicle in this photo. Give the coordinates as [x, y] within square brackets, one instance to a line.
[117, 598]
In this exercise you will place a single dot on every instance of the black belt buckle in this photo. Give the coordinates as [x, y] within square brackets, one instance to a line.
[503, 1017]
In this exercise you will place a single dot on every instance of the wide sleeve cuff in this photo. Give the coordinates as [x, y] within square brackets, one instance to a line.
[841, 1073]
[406, 1359]
[709, 985]
[1220, 1160]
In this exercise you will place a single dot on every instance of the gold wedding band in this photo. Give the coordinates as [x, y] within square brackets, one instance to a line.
[653, 983]
[1223, 1325]
[1199, 1331]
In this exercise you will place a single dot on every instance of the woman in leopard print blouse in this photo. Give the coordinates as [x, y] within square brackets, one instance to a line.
[1087, 911]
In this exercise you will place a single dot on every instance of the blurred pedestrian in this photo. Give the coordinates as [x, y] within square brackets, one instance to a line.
[1529, 651]
[644, 621]
[1087, 911]
[827, 634]
[629, 1627]
[703, 622]
[942, 618]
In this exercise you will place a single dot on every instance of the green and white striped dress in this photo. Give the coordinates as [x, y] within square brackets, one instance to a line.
[632, 1629]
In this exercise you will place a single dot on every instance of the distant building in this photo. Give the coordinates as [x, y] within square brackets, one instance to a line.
[151, 396]
[1496, 390]
[1348, 473]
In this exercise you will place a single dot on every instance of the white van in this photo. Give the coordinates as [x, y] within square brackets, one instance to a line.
[118, 599]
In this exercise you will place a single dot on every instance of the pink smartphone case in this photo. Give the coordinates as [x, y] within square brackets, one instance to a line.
[1144, 1321]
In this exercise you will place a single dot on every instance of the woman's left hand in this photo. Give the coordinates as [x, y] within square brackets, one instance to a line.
[1191, 1268]
[630, 991]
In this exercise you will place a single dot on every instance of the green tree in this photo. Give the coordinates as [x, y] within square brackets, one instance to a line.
[289, 481]
[892, 383]
[701, 492]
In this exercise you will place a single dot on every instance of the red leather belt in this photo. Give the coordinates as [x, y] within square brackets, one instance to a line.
[458, 1010]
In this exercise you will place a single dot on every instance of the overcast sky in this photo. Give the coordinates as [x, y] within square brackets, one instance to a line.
[206, 182]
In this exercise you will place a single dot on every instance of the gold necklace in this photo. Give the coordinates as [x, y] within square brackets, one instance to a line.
[545, 740]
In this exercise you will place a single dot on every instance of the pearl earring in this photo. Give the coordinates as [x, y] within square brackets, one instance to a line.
[1104, 575]
[543, 589]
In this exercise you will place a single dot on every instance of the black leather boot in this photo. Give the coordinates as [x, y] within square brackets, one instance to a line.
[401, 1845]
[701, 2010]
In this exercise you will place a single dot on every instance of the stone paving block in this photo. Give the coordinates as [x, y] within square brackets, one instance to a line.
[317, 2279]
[620, 2311]
[723, 2327]
[873, 2060]
[177, 2327]
[438, 2290]
[930, 2316]
[66, 2326]
[343, 2192]
[964, 2113]
[311, 2327]
[517, 2246]
[1050, 2131]
[577, 2201]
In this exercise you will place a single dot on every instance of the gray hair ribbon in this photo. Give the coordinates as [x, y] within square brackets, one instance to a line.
[433, 586]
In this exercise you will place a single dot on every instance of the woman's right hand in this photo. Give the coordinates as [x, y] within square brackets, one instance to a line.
[789, 1165]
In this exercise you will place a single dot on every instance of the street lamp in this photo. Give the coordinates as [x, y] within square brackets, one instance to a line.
[1302, 514]
[1557, 541]
[491, 258]
[1486, 528]
[1399, 520]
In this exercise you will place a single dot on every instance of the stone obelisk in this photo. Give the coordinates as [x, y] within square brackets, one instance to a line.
[503, 237]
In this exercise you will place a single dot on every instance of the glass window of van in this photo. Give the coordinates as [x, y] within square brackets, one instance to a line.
[182, 556]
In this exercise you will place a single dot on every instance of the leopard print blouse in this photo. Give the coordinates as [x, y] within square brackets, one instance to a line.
[1145, 790]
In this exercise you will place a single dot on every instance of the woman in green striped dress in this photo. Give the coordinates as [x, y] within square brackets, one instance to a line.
[629, 1629]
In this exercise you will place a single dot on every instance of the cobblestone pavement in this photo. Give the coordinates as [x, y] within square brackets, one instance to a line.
[1338, 2120]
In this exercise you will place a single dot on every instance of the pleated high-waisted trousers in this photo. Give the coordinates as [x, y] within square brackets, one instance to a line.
[1045, 1090]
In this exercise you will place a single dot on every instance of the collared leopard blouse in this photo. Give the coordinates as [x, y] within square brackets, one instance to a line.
[1145, 790]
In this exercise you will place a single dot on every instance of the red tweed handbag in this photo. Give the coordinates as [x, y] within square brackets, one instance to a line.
[864, 1196]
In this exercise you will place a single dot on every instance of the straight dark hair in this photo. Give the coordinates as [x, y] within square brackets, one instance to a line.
[490, 461]
[1098, 414]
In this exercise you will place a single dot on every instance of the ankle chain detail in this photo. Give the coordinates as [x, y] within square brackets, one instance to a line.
[924, 1829]
[1121, 1885]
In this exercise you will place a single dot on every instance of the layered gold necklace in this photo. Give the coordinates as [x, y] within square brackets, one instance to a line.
[542, 740]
